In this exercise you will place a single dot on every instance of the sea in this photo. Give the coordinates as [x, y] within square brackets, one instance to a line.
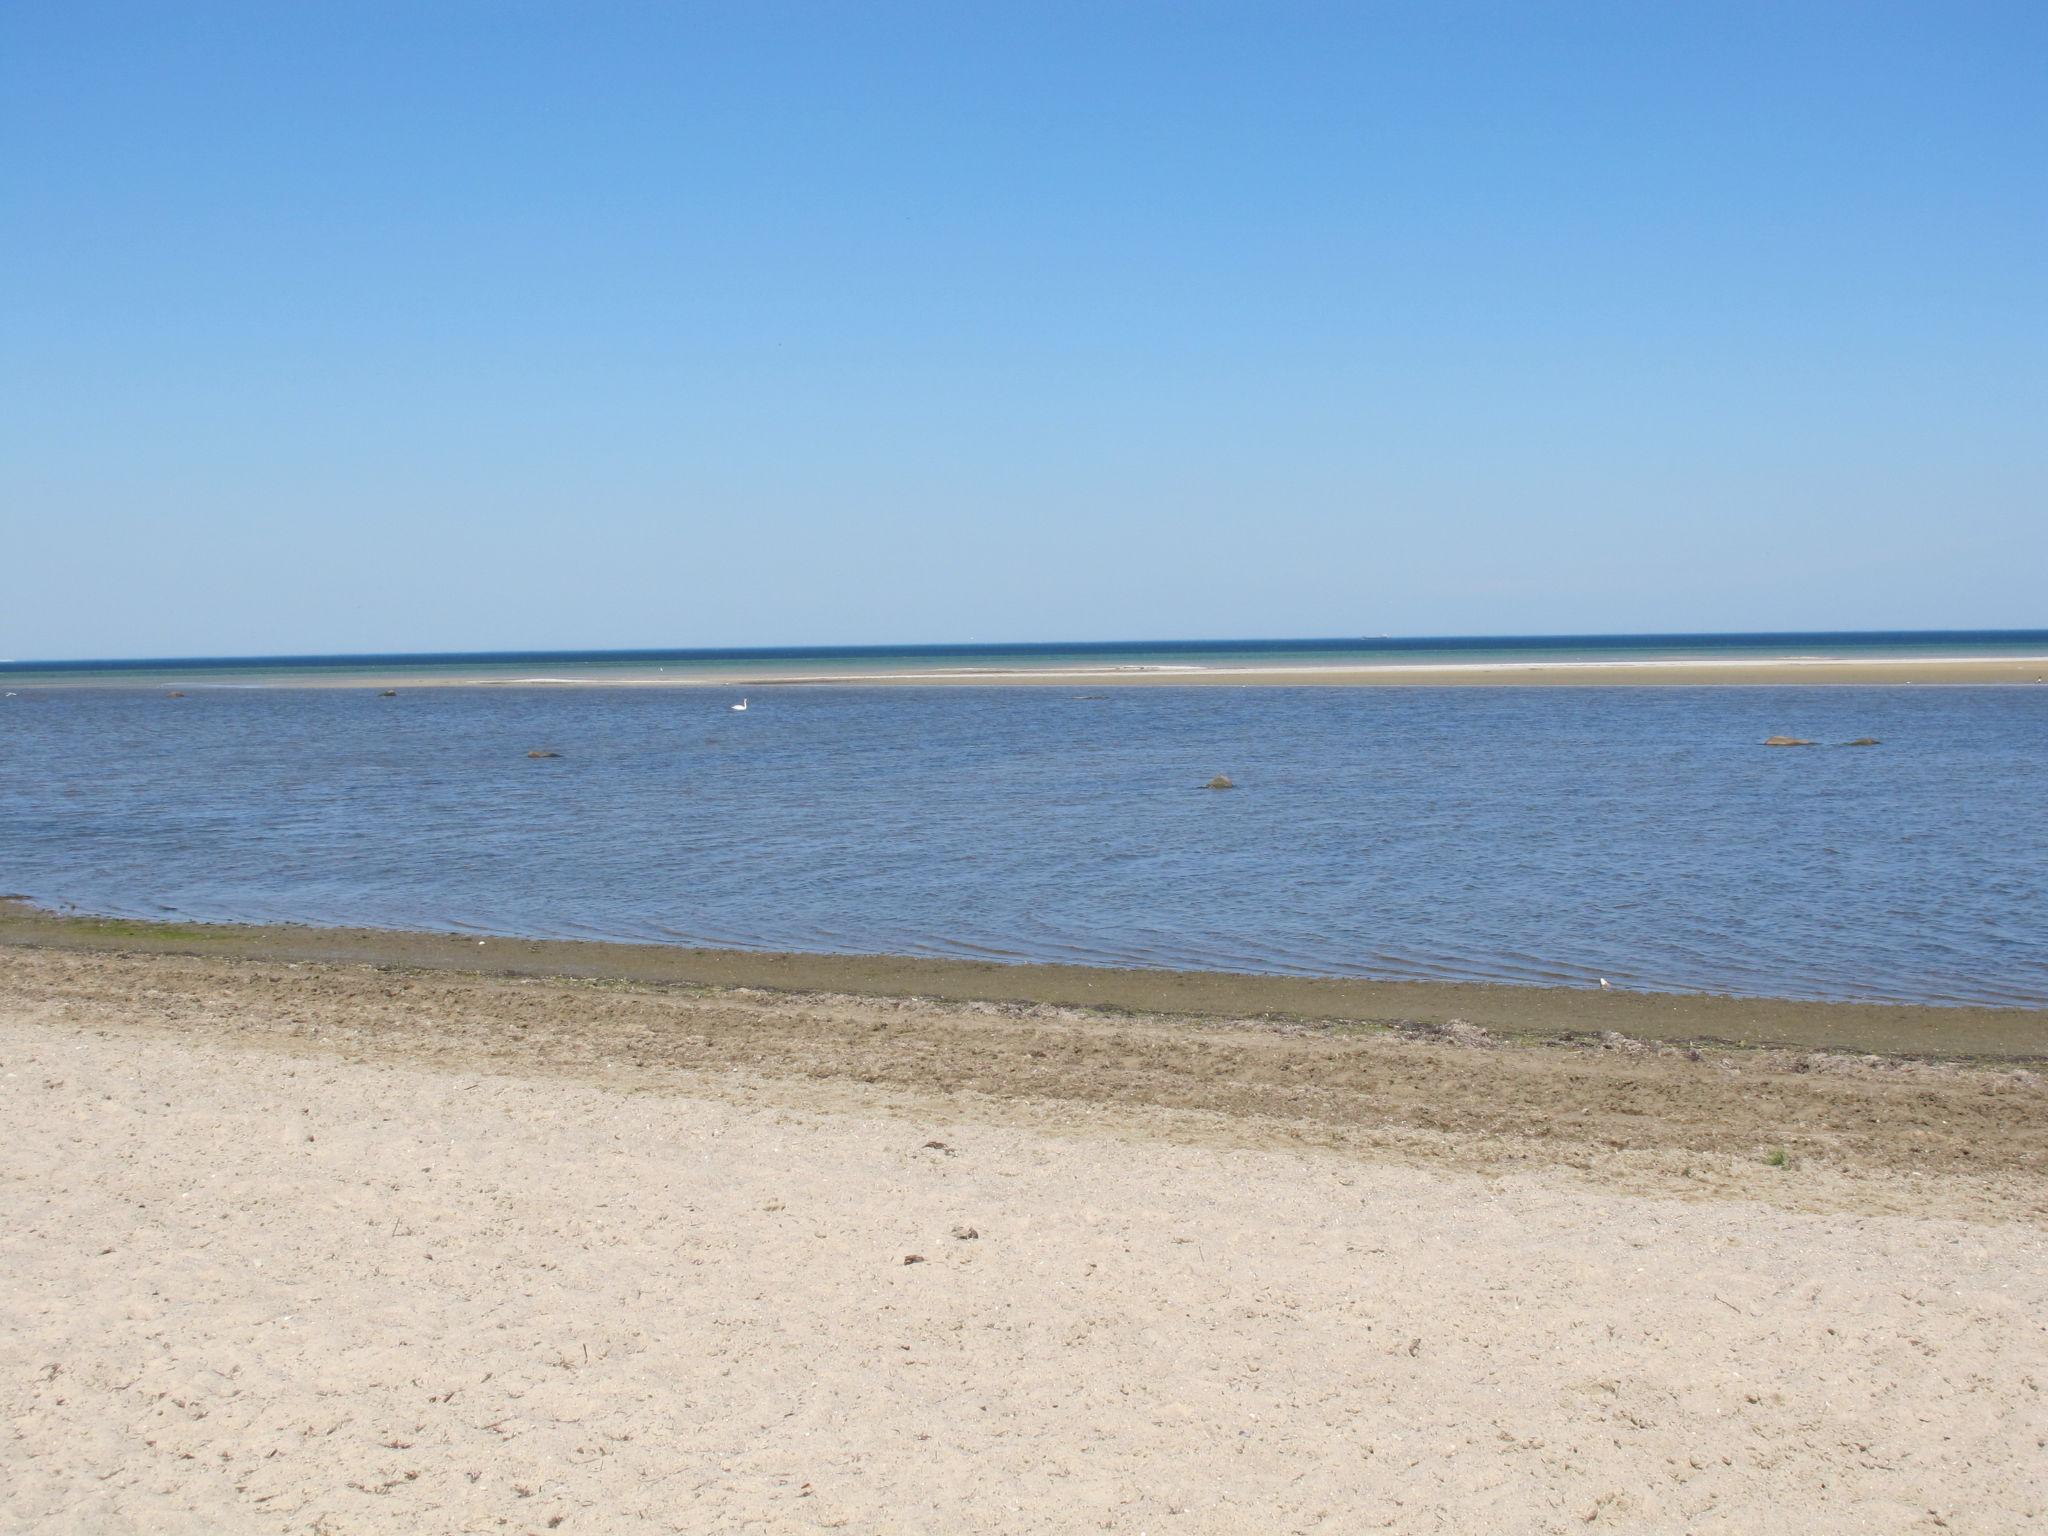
[1529, 835]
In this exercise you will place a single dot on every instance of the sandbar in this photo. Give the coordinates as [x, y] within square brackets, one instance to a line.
[1727, 672]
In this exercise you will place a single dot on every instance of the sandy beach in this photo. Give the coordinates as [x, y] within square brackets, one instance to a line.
[1024, 770]
[315, 1245]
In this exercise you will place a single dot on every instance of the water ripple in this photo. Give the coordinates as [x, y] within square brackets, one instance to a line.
[1516, 835]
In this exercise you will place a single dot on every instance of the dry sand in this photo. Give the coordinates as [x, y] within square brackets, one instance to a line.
[312, 1246]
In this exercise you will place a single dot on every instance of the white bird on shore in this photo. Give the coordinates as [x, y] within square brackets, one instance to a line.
[1603, 984]
[739, 707]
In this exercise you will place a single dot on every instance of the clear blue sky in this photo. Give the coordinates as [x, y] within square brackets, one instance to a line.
[475, 325]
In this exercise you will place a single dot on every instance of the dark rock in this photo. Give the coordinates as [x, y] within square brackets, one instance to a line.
[1863, 741]
[174, 694]
[542, 752]
[388, 693]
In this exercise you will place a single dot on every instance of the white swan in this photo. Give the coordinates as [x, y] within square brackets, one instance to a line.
[741, 706]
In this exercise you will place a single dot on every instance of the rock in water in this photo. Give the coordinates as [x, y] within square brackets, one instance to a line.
[1863, 741]
[1786, 741]
[1219, 782]
[542, 752]
[388, 693]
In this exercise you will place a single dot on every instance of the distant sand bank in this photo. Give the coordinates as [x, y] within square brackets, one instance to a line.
[1722, 672]
[1733, 672]
[301, 1246]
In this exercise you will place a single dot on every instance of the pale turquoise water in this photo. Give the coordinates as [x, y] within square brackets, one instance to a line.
[1522, 835]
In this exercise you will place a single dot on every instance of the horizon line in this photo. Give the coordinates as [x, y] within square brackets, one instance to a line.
[1040, 647]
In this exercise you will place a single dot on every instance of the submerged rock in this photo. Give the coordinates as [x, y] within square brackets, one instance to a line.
[1786, 741]
[388, 693]
[174, 694]
[1219, 782]
[542, 752]
[1863, 741]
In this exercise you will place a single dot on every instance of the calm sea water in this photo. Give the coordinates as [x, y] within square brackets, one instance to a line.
[1522, 835]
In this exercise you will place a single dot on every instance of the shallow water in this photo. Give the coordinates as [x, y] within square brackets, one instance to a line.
[1509, 834]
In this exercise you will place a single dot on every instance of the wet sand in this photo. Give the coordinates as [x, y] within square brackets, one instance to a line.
[1509, 1011]
[382, 1245]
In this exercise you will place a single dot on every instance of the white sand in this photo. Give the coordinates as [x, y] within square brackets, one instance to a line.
[271, 1286]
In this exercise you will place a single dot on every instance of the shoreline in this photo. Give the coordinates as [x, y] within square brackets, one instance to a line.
[1926, 671]
[1531, 1013]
